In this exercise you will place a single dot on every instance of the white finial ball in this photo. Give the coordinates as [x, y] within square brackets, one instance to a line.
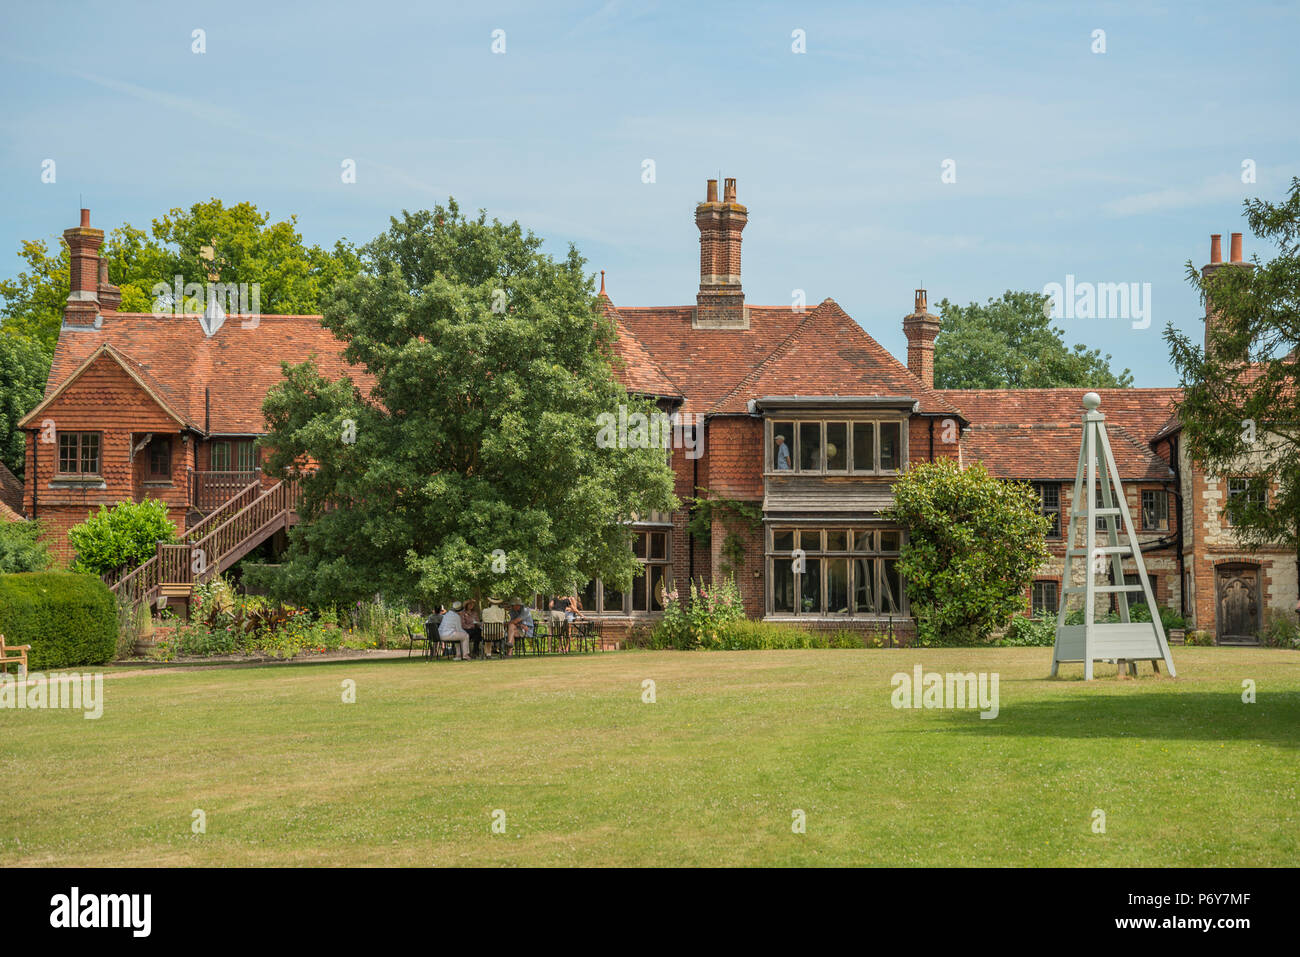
[1091, 400]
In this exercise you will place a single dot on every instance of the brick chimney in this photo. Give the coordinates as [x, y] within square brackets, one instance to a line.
[1214, 265]
[82, 307]
[720, 303]
[921, 329]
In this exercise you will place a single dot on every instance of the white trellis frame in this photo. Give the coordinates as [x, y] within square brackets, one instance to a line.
[1125, 642]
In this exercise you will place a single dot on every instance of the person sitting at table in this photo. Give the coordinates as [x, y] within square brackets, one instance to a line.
[562, 608]
[520, 624]
[469, 620]
[493, 614]
[452, 630]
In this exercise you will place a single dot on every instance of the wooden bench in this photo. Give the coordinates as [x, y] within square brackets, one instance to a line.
[13, 654]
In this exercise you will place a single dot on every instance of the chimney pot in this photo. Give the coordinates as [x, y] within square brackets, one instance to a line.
[1235, 252]
[1216, 249]
[729, 190]
[711, 196]
[920, 301]
[85, 218]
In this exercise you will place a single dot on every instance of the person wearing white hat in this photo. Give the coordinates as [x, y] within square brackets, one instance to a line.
[452, 630]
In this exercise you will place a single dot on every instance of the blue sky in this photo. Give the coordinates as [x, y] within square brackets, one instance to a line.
[1111, 167]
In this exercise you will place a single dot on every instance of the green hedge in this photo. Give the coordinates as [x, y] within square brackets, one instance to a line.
[68, 619]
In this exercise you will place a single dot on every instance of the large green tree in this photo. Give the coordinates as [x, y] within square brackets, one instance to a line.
[1241, 403]
[973, 545]
[1010, 343]
[469, 461]
[24, 366]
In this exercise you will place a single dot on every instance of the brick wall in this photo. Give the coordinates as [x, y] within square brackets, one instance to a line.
[105, 399]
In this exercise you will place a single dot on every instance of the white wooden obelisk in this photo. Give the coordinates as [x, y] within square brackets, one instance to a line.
[1125, 640]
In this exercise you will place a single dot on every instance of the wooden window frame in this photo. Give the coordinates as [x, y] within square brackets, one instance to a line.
[646, 562]
[1142, 494]
[817, 550]
[150, 449]
[79, 455]
[1041, 488]
[822, 420]
[1033, 603]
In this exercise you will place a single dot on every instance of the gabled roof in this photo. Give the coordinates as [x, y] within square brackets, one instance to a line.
[829, 354]
[1035, 433]
[7, 514]
[640, 373]
[156, 391]
[822, 351]
[172, 359]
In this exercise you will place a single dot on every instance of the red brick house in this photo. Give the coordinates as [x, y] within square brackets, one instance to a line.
[800, 414]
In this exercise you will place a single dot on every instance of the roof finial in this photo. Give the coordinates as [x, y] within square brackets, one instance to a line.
[602, 282]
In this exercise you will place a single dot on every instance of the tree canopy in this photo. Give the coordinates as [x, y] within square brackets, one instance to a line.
[465, 461]
[1241, 403]
[24, 367]
[1010, 343]
[245, 247]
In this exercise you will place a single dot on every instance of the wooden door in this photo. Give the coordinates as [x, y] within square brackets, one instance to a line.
[1237, 597]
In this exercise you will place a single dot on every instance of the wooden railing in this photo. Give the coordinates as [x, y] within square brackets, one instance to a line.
[234, 538]
[213, 545]
[239, 500]
[209, 490]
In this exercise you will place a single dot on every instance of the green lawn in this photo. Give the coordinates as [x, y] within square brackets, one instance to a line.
[586, 773]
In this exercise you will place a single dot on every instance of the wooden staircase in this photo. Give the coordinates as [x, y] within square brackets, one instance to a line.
[213, 545]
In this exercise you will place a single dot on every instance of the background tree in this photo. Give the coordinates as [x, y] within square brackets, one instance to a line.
[1010, 343]
[246, 248]
[1241, 404]
[470, 464]
[24, 366]
[973, 545]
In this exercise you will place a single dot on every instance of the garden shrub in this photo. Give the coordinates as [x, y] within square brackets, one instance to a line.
[1281, 629]
[22, 549]
[701, 622]
[69, 619]
[122, 537]
[714, 620]
[1030, 633]
[223, 622]
[974, 544]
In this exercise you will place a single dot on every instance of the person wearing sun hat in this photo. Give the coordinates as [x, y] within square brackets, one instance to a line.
[451, 629]
[521, 624]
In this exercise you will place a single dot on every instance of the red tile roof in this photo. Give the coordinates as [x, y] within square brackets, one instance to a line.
[639, 373]
[818, 352]
[175, 360]
[11, 493]
[1035, 433]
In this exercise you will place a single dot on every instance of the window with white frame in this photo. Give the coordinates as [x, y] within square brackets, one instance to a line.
[834, 570]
